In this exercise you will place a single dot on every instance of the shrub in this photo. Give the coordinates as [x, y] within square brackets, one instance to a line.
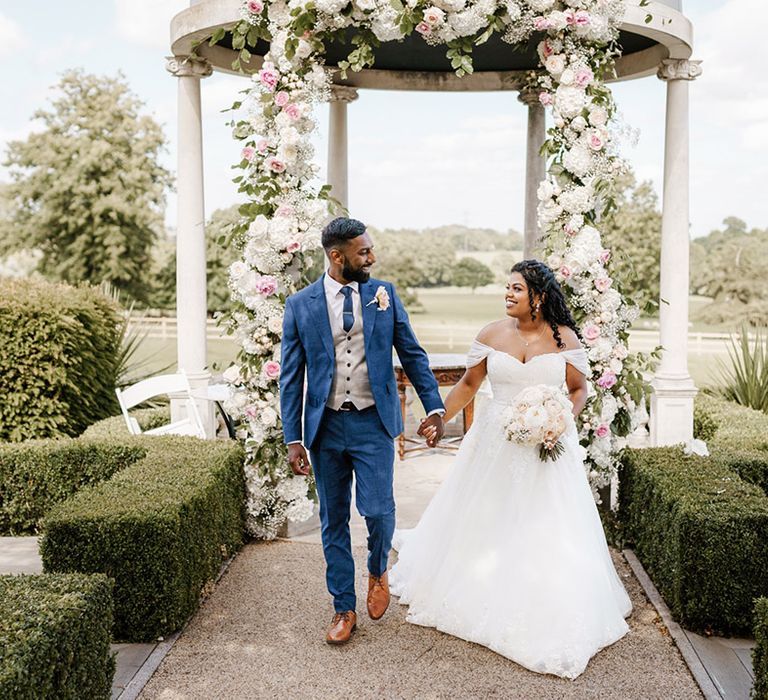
[760, 652]
[741, 435]
[36, 475]
[160, 528]
[54, 637]
[700, 531]
[744, 379]
[58, 359]
[114, 428]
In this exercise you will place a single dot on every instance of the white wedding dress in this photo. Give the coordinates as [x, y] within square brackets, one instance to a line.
[510, 553]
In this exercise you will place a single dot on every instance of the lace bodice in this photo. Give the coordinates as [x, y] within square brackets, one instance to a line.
[508, 376]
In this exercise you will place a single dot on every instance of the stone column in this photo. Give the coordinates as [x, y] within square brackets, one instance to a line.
[341, 96]
[191, 302]
[535, 169]
[673, 389]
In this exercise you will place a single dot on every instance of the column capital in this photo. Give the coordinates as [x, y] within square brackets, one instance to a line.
[343, 93]
[188, 66]
[529, 96]
[679, 69]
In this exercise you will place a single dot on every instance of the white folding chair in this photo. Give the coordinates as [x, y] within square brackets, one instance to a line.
[157, 386]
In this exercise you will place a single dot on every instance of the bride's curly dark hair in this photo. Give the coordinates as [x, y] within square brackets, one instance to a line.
[541, 280]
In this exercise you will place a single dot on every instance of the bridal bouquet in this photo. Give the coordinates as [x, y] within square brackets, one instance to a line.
[538, 416]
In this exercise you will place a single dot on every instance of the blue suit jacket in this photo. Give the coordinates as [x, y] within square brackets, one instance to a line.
[308, 347]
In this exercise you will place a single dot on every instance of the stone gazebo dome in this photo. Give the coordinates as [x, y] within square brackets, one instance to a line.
[662, 47]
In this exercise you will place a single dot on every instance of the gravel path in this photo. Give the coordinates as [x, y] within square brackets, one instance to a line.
[260, 635]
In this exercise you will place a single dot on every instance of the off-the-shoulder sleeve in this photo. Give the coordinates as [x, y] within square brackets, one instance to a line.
[477, 353]
[578, 358]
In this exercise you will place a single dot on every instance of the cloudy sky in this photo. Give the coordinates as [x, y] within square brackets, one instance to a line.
[417, 159]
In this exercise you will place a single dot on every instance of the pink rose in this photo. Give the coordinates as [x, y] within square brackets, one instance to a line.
[584, 76]
[292, 110]
[546, 48]
[266, 284]
[570, 228]
[262, 145]
[275, 165]
[255, 7]
[591, 332]
[293, 247]
[271, 369]
[565, 271]
[595, 140]
[603, 283]
[582, 18]
[546, 99]
[605, 256]
[607, 380]
[602, 430]
[250, 411]
[541, 24]
[423, 28]
[248, 153]
[268, 77]
[281, 98]
[284, 210]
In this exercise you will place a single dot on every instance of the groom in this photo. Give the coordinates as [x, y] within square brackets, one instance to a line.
[340, 331]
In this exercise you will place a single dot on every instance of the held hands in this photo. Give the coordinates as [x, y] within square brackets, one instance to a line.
[298, 459]
[431, 428]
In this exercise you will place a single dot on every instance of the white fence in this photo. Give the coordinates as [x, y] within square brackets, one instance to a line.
[445, 337]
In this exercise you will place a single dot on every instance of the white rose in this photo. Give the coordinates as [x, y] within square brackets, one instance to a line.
[434, 16]
[555, 64]
[616, 365]
[275, 324]
[268, 417]
[598, 116]
[545, 191]
[259, 226]
[567, 77]
[541, 5]
[237, 269]
[579, 124]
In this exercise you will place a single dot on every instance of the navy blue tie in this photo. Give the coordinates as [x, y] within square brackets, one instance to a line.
[348, 316]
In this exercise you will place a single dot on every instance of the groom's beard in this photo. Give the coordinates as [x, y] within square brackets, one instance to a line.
[359, 275]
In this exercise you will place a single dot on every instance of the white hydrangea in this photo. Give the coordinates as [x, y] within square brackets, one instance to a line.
[577, 200]
[578, 160]
[569, 100]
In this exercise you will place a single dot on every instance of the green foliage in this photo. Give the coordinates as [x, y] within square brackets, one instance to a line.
[54, 637]
[58, 359]
[731, 266]
[701, 533]
[632, 231]
[88, 189]
[760, 652]
[160, 528]
[744, 380]
[114, 428]
[220, 254]
[469, 272]
[36, 475]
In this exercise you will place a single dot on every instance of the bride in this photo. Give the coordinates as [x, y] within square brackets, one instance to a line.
[510, 553]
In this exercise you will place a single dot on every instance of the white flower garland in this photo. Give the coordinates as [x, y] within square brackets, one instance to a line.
[282, 221]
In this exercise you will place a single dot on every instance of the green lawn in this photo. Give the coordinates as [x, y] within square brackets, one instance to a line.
[157, 355]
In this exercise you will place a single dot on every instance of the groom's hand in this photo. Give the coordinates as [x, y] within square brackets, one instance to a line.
[298, 459]
[432, 429]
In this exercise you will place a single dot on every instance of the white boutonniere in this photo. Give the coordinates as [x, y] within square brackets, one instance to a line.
[381, 299]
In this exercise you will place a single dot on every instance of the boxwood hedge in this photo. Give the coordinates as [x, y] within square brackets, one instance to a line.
[701, 531]
[36, 475]
[160, 528]
[59, 348]
[54, 637]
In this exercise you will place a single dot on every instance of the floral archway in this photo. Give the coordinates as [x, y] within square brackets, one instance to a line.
[286, 209]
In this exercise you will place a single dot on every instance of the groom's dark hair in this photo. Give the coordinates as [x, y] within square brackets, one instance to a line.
[341, 230]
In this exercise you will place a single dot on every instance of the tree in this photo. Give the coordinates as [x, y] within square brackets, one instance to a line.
[469, 272]
[633, 234]
[88, 190]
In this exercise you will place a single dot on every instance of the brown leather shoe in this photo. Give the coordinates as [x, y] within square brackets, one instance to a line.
[342, 626]
[378, 595]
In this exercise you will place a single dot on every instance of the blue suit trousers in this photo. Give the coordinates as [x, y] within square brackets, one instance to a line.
[353, 443]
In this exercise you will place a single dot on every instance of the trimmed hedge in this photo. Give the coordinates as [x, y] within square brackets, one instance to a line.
[54, 637]
[701, 532]
[36, 475]
[741, 434]
[59, 349]
[114, 428]
[160, 528]
[760, 652]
